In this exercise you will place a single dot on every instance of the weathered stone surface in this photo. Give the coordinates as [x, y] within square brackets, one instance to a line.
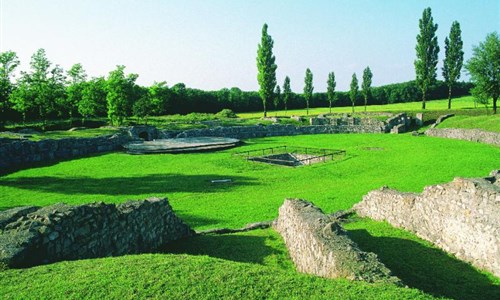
[319, 245]
[461, 217]
[64, 232]
[473, 135]
[441, 119]
[21, 152]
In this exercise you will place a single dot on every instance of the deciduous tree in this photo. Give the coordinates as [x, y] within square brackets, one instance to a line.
[353, 92]
[287, 92]
[277, 98]
[76, 83]
[366, 84]
[266, 67]
[427, 53]
[308, 88]
[8, 64]
[330, 89]
[454, 58]
[484, 68]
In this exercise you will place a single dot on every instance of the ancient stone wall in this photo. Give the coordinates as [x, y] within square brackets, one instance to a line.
[461, 217]
[33, 235]
[321, 126]
[473, 135]
[259, 131]
[318, 245]
[19, 152]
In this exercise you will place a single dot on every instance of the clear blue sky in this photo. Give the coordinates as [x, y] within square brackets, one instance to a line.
[211, 44]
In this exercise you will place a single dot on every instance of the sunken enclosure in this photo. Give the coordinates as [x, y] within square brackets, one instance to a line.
[292, 156]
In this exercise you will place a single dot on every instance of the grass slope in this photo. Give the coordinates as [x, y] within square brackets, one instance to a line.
[466, 102]
[488, 123]
[181, 277]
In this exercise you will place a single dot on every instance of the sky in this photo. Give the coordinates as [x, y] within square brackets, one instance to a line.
[212, 44]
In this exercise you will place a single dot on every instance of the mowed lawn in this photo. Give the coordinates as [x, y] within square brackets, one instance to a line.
[254, 264]
[466, 102]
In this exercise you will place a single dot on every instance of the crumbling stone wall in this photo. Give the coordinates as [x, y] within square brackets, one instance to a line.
[318, 245]
[473, 135]
[33, 235]
[461, 217]
[19, 152]
[342, 125]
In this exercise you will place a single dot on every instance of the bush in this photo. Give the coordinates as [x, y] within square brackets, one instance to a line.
[226, 114]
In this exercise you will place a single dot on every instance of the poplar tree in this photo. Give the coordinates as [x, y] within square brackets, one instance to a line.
[366, 84]
[330, 89]
[427, 53]
[454, 58]
[287, 92]
[308, 88]
[277, 98]
[266, 68]
[353, 93]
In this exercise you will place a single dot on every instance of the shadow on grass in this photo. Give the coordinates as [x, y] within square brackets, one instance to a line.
[428, 269]
[148, 184]
[240, 248]
[48, 163]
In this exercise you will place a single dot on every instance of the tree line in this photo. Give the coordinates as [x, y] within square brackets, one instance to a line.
[484, 68]
[46, 92]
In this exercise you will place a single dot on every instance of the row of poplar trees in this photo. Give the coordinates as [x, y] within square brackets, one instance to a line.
[270, 91]
[483, 67]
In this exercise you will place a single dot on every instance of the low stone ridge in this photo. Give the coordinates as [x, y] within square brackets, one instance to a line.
[473, 135]
[32, 235]
[20, 152]
[441, 119]
[461, 217]
[319, 245]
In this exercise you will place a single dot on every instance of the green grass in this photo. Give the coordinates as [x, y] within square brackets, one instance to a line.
[253, 264]
[462, 103]
[488, 122]
[167, 276]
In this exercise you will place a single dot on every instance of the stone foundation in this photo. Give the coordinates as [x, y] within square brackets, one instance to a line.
[473, 135]
[14, 153]
[33, 235]
[461, 217]
[318, 245]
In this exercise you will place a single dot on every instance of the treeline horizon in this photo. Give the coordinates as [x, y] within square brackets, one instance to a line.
[48, 92]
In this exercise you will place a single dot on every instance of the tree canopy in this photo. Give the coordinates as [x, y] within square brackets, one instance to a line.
[266, 67]
[484, 68]
[330, 89]
[366, 84]
[308, 88]
[353, 92]
[427, 53]
[454, 58]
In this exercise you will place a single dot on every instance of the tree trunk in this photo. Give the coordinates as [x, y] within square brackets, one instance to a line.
[330, 107]
[495, 105]
[423, 98]
[264, 104]
[449, 97]
[353, 107]
[307, 108]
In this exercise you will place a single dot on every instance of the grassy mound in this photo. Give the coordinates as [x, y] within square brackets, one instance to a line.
[485, 122]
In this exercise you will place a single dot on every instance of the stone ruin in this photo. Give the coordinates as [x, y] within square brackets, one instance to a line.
[461, 217]
[32, 235]
[318, 245]
[292, 156]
